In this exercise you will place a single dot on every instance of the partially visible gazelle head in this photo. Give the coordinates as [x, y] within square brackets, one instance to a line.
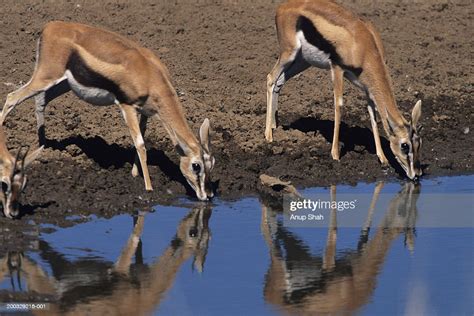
[14, 180]
[196, 164]
[405, 143]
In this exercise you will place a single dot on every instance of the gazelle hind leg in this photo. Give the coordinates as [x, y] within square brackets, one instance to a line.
[41, 101]
[375, 131]
[14, 98]
[143, 121]
[131, 119]
[31, 89]
[281, 73]
[46, 75]
[297, 66]
[338, 79]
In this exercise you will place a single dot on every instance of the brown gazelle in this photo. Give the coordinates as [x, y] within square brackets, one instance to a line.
[12, 171]
[104, 68]
[321, 33]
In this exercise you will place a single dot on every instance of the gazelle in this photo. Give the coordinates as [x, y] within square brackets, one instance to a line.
[12, 171]
[321, 33]
[104, 68]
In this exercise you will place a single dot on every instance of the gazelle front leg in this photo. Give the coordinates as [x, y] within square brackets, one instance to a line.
[130, 115]
[143, 121]
[338, 79]
[375, 131]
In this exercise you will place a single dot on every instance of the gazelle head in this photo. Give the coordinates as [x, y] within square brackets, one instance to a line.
[197, 164]
[405, 143]
[14, 180]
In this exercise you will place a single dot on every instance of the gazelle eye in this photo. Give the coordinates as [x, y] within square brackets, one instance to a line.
[196, 167]
[405, 148]
[5, 186]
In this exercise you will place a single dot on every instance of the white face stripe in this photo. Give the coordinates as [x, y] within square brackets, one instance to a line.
[412, 167]
[202, 179]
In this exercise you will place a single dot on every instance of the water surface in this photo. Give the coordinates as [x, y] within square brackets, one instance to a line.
[233, 258]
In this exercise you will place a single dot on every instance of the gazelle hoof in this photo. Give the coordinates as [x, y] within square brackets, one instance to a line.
[149, 188]
[269, 137]
[335, 155]
[135, 171]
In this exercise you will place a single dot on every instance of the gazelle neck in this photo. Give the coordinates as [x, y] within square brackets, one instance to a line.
[380, 92]
[172, 116]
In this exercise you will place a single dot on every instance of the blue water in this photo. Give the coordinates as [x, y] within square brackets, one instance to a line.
[244, 260]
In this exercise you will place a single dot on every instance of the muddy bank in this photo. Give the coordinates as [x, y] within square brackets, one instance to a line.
[219, 59]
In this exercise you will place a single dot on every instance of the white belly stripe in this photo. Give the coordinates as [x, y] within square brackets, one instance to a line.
[313, 55]
[91, 95]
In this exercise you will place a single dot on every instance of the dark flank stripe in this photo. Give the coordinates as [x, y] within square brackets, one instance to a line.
[90, 78]
[315, 38]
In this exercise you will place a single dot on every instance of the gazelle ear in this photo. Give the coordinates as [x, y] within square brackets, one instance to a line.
[415, 115]
[32, 156]
[204, 135]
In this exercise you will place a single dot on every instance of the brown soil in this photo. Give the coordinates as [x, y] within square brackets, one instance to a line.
[219, 56]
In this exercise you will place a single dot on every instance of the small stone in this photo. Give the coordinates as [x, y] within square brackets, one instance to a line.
[466, 130]
[277, 150]
[163, 50]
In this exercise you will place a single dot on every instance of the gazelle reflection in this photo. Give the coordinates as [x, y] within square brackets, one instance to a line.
[300, 283]
[124, 288]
